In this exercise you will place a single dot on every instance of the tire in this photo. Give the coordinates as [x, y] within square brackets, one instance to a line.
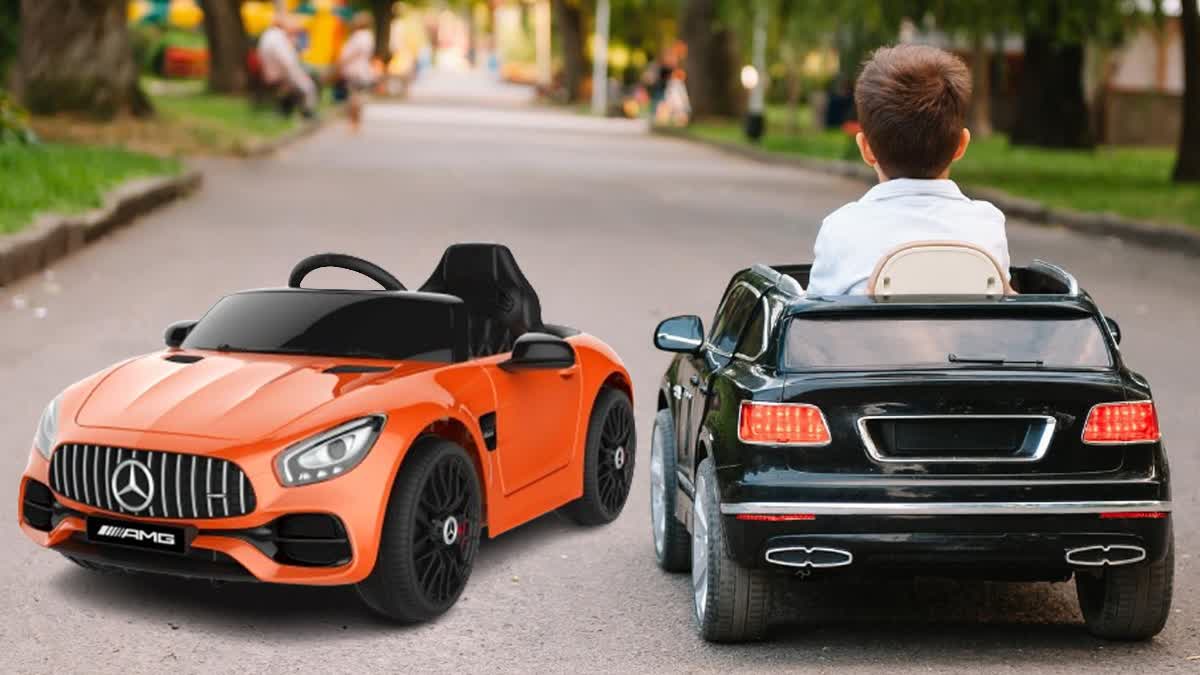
[430, 535]
[672, 544]
[608, 461]
[731, 603]
[1130, 602]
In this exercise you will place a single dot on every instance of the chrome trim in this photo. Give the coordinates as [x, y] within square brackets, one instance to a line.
[784, 445]
[192, 487]
[178, 491]
[1043, 444]
[83, 468]
[810, 550]
[1138, 550]
[1092, 409]
[942, 508]
[690, 342]
[208, 485]
[162, 485]
[107, 473]
[1056, 271]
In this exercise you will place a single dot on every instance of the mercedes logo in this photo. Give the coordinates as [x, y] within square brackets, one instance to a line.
[132, 485]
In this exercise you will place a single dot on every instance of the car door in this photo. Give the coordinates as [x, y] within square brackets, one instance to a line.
[694, 374]
[537, 412]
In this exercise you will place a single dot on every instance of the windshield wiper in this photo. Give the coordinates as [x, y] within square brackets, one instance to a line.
[993, 360]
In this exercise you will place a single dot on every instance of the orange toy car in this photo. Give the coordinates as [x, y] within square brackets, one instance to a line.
[325, 437]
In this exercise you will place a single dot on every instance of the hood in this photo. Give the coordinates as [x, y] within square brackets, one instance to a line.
[224, 396]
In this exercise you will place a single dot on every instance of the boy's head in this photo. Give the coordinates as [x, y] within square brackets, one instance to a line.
[912, 104]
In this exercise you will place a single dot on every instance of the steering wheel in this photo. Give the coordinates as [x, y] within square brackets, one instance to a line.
[346, 262]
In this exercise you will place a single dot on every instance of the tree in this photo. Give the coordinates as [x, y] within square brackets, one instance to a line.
[568, 21]
[712, 58]
[384, 12]
[1052, 110]
[75, 56]
[227, 46]
[1187, 162]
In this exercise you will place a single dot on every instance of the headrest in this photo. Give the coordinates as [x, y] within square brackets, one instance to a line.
[488, 278]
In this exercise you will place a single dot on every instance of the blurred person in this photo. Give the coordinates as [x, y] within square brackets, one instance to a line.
[282, 71]
[355, 67]
[676, 106]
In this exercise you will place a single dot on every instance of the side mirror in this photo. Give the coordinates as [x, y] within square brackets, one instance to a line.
[540, 351]
[1114, 329]
[177, 333]
[683, 334]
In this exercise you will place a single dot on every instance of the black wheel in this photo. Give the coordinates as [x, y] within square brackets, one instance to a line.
[1129, 602]
[731, 602]
[672, 545]
[430, 535]
[608, 464]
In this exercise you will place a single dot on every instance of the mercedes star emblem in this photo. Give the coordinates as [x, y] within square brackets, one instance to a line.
[132, 485]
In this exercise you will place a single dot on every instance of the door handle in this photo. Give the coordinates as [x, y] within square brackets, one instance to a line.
[566, 373]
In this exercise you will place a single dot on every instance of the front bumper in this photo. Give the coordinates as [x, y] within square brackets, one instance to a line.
[1019, 540]
[235, 548]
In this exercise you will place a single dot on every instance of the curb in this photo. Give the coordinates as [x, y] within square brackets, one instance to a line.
[261, 148]
[51, 236]
[1158, 235]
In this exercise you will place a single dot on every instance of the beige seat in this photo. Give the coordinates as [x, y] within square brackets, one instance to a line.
[938, 268]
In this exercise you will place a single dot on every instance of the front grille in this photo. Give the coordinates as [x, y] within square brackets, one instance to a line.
[172, 485]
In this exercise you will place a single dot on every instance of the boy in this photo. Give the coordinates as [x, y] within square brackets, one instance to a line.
[912, 104]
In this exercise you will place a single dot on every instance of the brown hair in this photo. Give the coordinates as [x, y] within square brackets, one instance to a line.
[912, 105]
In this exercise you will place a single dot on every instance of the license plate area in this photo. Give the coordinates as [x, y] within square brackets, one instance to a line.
[144, 536]
[957, 438]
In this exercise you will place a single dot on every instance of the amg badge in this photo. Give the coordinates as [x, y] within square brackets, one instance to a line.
[141, 535]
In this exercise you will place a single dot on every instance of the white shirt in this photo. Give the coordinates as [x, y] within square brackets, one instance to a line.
[354, 61]
[853, 239]
[281, 63]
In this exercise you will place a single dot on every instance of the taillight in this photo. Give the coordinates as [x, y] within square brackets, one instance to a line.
[782, 424]
[776, 517]
[1127, 422]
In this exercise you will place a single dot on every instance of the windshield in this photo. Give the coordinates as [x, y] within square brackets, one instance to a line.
[319, 323]
[878, 342]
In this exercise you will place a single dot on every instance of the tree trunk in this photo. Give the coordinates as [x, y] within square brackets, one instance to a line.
[980, 122]
[1187, 162]
[568, 20]
[1052, 112]
[713, 82]
[75, 56]
[382, 10]
[227, 45]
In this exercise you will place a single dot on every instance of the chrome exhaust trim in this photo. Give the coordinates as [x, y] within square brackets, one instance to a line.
[818, 557]
[1111, 555]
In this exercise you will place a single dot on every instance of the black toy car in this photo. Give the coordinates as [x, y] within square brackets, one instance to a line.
[994, 437]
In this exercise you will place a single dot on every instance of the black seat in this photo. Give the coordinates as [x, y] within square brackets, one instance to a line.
[502, 305]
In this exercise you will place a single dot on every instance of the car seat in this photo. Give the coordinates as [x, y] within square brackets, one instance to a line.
[501, 304]
[938, 268]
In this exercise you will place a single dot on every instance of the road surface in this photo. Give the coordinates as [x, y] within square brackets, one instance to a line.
[616, 230]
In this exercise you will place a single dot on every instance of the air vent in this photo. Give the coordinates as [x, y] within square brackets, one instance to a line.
[342, 370]
[183, 358]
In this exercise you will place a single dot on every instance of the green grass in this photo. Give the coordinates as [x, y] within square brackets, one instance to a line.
[64, 178]
[222, 120]
[1132, 182]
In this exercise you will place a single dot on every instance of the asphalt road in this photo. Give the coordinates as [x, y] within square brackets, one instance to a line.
[616, 231]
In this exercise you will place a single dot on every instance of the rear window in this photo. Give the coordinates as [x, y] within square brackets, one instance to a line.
[879, 342]
[319, 323]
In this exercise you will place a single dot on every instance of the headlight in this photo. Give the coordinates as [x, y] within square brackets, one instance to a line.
[329, 454]
[47, 428]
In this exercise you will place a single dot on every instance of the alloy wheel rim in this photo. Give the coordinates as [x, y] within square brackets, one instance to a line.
[658, 492]
[443, 545]
[616, 459]
[700, 550]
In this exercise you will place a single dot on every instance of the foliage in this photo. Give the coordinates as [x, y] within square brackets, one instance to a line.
[14, 123]
[10, 31]
[64, 178]
[1130, 181]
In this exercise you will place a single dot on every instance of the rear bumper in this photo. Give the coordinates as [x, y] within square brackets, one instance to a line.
[1015, 540]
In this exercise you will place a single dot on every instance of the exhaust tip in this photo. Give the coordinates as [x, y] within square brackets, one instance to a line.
[809, 557]
[1111, 555]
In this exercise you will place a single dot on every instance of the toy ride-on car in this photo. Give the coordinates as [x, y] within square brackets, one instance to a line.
[994, 435]
[366, 437]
